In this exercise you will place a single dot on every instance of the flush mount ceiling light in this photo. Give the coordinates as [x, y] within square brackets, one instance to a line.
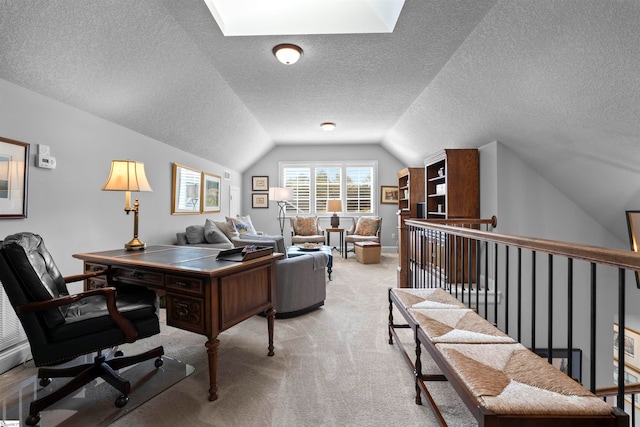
[328, 126]
[280, 17]
[287, 53]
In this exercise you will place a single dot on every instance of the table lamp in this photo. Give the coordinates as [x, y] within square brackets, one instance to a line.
[334, 206]
[128, 175]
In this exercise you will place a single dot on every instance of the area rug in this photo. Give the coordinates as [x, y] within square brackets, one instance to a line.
[92, 404]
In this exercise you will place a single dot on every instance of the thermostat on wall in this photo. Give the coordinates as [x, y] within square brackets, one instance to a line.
[44, 158]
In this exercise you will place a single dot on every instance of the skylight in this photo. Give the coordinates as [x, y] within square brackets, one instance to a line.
[286, 17]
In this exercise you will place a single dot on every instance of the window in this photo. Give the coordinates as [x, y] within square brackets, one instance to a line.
[314, 184]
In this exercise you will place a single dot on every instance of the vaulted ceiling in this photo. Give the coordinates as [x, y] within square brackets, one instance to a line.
[557, 81]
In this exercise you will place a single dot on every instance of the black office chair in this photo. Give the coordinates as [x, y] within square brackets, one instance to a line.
[61, 327]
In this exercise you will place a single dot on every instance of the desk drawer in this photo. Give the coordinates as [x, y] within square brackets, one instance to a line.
[185, 313]
[139, 277]
[183, 284]
[94, 282]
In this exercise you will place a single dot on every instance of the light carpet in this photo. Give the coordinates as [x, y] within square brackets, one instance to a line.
[332, 367]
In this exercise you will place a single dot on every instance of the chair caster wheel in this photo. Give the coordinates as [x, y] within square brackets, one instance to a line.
[45, 382]
[122, 400]
[159, 362]
[32, 420]
[118, 353]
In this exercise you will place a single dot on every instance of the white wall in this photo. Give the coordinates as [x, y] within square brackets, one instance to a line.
[527, 204]
[388, 167]
[66, 205]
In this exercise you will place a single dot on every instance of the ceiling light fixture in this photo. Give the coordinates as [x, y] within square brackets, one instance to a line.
[287, 53]
[328, 126]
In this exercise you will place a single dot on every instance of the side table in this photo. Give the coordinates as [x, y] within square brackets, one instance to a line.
[335, 230]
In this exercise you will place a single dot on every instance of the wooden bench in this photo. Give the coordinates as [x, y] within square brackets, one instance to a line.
[501, 382]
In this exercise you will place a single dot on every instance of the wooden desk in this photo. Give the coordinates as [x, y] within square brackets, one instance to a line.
[204, 295]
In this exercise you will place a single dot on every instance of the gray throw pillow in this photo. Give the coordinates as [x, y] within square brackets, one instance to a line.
[212, 234]
[195, 234]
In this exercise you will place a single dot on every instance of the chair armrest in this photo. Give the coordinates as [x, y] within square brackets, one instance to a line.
[130, 332]
[78, 277]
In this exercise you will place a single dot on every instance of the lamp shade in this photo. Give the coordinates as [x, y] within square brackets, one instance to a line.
[280, 193]
[127, 175]
[334, 206]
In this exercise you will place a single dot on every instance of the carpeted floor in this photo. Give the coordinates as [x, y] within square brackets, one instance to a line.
[332, 367]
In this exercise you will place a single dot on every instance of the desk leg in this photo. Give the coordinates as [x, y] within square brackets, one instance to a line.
[212, 351]
[271, 315]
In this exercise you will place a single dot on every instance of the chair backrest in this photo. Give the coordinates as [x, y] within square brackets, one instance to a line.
[305, 226]
[30, 267]
[367, 223]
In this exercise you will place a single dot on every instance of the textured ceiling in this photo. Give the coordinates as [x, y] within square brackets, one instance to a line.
[557, 81]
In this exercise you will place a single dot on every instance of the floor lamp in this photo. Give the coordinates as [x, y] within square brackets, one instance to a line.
[280, 195]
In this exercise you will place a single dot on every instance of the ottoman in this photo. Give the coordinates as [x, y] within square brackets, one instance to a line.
[368, 252]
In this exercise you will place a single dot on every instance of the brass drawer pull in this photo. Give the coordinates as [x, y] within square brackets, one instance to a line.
[181, 284]
[137, 274]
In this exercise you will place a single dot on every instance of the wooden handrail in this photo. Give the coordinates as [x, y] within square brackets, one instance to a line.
[633, 388]
[493, 221]
[614, 257]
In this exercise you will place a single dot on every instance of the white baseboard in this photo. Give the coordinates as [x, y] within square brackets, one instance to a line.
[14, 356]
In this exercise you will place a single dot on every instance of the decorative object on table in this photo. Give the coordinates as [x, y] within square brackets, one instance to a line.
[259, 201]
[128, 176]
[259, 183]
[389, 194]
[309, 247]
[245, 253]
[281, 195]
[210, 193]
[186, 190]
[14, 177]
[633, 224]
[334, 206]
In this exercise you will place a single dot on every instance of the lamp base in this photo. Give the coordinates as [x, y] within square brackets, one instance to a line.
[335, 221]
[135, 245]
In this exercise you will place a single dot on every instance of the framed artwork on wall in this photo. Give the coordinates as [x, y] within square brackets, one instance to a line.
[633, 224]
[388, 194]
[210, 193]
[186, 197]
[14, 178]
[259, 183]
[260, 200]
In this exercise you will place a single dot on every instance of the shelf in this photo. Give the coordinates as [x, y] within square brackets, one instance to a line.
[437, 178]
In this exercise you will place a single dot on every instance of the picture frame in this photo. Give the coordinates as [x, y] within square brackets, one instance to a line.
[260, 200]
[259, 183]
[211, 192]
[631, 376]
[389, 194]
[631, 346]
[186, 196]
[14, 178]
[560, 359]
[633, 225]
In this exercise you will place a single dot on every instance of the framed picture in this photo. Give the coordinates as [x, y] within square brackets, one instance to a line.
[210, 193]
[631, 343]
[14, 178]
[560, 359]
[186, 197]
[259, 200]
[630, 377]
[388, 194]
[259, 183]
[633, 224]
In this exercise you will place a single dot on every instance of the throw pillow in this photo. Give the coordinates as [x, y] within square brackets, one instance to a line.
[243, 224]
[367, 226]
[212, 234]
[306, 225]
[227, 228]
[195, 234]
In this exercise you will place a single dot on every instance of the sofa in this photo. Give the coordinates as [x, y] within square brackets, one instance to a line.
[301, 282]
[225, 235]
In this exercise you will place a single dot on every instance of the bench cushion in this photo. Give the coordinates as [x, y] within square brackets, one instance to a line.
[457, 326]
[509, 379]
[427, 298]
